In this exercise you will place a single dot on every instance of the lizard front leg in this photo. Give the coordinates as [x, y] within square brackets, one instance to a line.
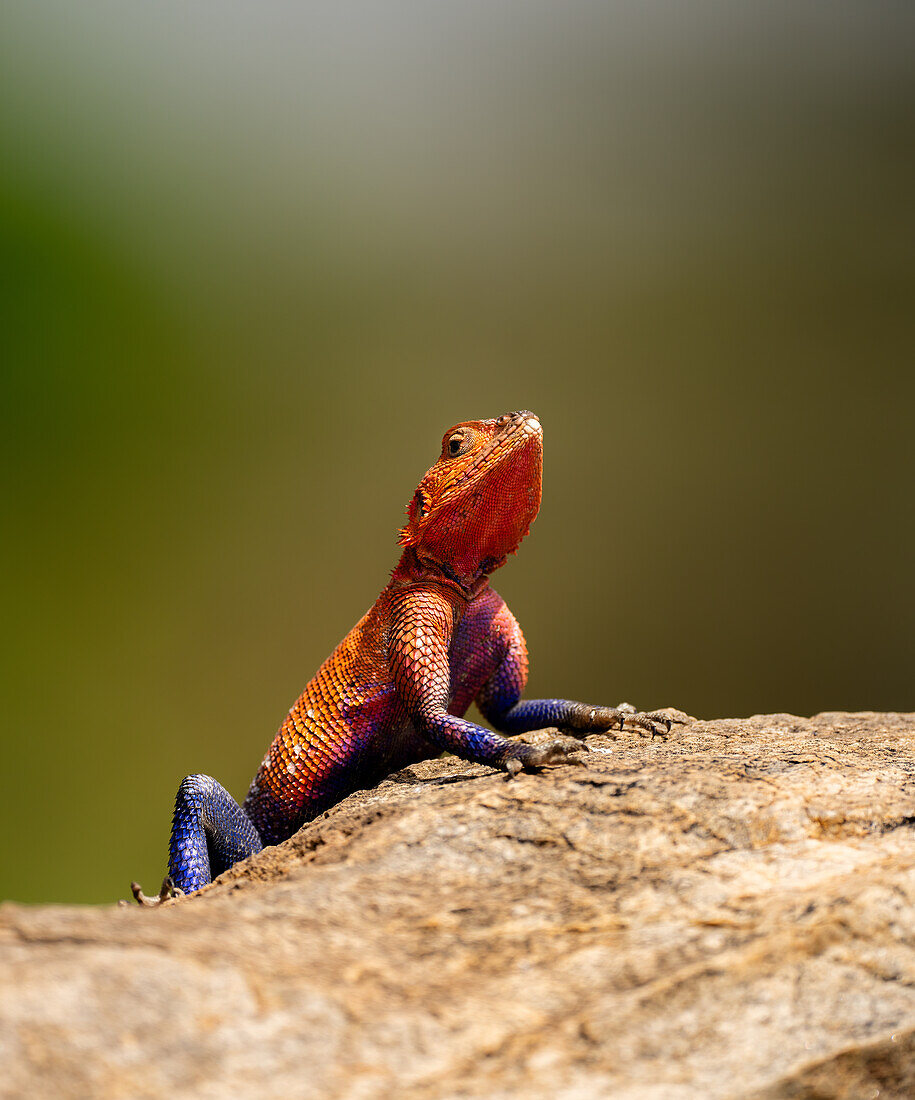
[501, 704]
[420, 631]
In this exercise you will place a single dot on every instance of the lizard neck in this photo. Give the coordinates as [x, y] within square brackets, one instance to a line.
[418, 565]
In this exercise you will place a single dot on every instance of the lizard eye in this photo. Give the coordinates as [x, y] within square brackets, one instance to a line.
[457, 444]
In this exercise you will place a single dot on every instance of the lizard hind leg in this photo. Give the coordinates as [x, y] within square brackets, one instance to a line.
[210, 832]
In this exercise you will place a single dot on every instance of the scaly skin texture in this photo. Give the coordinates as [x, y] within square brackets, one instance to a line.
[395, 690]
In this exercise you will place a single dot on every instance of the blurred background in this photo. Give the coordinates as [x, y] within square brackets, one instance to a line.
[257, 258]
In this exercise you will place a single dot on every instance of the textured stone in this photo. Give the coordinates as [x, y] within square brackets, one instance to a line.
[729, 913]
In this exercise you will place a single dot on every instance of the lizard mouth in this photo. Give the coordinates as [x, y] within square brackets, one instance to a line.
[514, 428]
[525, 420]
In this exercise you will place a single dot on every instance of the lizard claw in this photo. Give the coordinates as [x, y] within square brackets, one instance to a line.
[563, 751]
[651, 722]
[602, 719]
[167, 891]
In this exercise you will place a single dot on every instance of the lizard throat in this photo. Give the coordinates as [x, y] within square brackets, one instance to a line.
[416, 565]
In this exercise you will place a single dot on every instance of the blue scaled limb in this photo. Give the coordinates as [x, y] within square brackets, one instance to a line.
[210, 832]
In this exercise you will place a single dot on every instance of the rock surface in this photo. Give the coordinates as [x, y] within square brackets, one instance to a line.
[729, 913]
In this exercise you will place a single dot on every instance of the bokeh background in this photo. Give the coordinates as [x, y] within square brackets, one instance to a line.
[256, 258]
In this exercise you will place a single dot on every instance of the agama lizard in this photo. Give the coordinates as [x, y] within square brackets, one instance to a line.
[395, 690]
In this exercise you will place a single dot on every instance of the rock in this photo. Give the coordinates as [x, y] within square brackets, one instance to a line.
[728, 913]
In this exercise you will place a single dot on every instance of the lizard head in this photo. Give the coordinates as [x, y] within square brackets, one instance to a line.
[476, 504]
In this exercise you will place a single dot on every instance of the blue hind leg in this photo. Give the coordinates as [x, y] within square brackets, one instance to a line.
[210, 832]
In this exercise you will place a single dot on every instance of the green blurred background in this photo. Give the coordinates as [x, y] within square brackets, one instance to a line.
[257, 258]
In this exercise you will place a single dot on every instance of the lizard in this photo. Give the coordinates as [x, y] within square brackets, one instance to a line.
[396, 689]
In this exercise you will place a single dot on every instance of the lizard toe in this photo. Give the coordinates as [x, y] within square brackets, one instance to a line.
[167, 891]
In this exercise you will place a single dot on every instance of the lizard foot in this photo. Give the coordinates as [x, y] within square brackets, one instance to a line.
[563, 751]
[652, 724]
[167, 891]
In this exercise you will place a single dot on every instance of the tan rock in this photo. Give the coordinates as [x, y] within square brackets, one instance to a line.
[729, 913]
